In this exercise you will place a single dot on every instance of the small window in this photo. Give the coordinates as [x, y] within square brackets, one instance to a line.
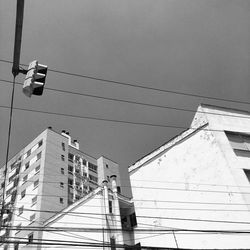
[84, 162]
[63, 146]
[13, 165]
[118, 189]
[23, 193]
[20, 210]
[71, 157]
[62, 170]
[16, 246]
[62, 158]
[40, 143]
[25, 178]
[32, 217]
[70, 182]
[37, 169]
[61, 184]
[30, 238]
[36, 183]
[39, 156]
[107, 166]
[110, 207]
[92, 167]
[34, 200]
[133, 221]
[61, 200]
[27, 165]
[93, 178]
[70, 169]
[28, 153]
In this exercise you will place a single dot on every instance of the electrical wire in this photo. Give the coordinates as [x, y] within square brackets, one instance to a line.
[139, 216]
[137, 103]
[137, 85]
[7, 150]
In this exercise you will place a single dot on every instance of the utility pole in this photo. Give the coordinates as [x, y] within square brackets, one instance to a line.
[15, 71]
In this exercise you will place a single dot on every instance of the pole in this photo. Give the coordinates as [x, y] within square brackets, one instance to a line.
[18, 36]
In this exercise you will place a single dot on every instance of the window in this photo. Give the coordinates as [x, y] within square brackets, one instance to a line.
[16, 246]
[20, 210]
[38, 157]
[92, 167]
[247, 173]
[30, 238]
[70, 182]
[61, 184]
[61, 200]
[13, 165]
[70, 169]
[239, 141]
[37, 169]
[118, 189]
[62, 158]
[28, 153]
[133, 221]
[32, 217]
[107, 166]
[110, 206]
[25, 178]
[63, 146]
[40, 143]
[84, 162]
[93, 178]
[36, 183]
[23, 193]
[71, 157]
[62, 170]
[27, 165]
[34, 200]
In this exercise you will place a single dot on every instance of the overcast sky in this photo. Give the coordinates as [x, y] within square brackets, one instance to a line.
[192, 46]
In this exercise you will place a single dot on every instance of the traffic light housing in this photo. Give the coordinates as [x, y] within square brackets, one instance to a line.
[35, 79]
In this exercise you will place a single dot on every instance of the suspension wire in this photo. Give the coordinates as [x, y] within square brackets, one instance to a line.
[7, 150]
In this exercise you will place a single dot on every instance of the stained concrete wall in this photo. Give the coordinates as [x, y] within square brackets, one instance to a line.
[193, 184]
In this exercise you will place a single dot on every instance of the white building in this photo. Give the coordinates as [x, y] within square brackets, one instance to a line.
[194, 191]
[96, 221]
[46, 176]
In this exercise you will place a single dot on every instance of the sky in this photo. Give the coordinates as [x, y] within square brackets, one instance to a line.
[193, 46]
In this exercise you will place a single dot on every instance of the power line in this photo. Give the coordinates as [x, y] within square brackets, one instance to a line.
[137, 85]
[139, 216]
[100, 229]
[8, 147]
[136, 102]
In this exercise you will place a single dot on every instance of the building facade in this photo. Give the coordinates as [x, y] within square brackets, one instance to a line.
[105, 220]
[45, 177]
[194, 191]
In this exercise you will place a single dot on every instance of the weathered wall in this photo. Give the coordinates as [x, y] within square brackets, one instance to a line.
[198, 178]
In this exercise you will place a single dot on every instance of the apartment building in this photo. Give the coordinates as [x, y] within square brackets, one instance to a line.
[45, 177]
[194, 190]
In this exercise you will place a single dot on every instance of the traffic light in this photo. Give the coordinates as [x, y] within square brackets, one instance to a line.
[35, 79]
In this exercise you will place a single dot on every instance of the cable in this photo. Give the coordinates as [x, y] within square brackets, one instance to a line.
[7, 150]
[139, 85]
[140, 216]
[138, 103]
[138, 230]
